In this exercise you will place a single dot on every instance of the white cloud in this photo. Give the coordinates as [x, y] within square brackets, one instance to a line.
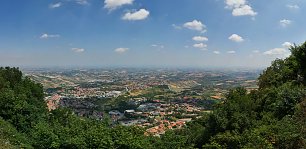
[236, 38]
[278, 52]
[82, 2]
[287, 45]
[176, 26]
[77, 50]
[158, 46]
[137, 15]
[195, 25]
[294, 7]
[244, 11]
[56, 5]
[235, 3]
[216, 52]
[114, 4]
[231, 52]
[46, 36]
[200, 38]
[200, 45]
[256, 51]
[240, 8]
[285, 22]
[121, 50]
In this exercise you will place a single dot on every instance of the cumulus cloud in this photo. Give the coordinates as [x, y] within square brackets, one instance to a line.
[294, 7]
[200, 38]
[200, 45]
[240, 8]
[195, 25]
[231, 52]
[136, 15]
[77, 50]
[236, 38]
[46, 36]
[285, 22]
[114, 4]
[55, 5]
[278, 52]
[235, 3]
[216, 52]
[287, 45]
[243, 11]
[121, 50]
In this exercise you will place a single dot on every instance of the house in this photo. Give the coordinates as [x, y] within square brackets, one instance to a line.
[129, 111]
[114, 113]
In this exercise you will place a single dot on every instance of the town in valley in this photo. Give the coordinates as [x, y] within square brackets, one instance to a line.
[156, 99]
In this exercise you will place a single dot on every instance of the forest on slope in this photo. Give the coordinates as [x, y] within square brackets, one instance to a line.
[272, 117]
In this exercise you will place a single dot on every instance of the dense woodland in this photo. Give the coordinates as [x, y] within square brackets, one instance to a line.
[272, 117]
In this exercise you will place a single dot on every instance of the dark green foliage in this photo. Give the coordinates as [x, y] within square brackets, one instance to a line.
[281, 100]
[279, 72]
[291, 69]
[10, 77]
[172, 139]
[21, 100]
[9, 135]
[129, 137]
[272, 117]
[236, 114]
[299, 59]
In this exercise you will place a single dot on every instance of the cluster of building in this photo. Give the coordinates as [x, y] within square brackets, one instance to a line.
[164, 125]
[79, 92]
[53, 101]
[158, 116]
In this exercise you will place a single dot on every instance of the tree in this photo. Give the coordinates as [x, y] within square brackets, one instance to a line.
[21, 100]
[299, 56]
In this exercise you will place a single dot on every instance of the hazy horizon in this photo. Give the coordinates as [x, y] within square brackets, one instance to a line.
[28, 67]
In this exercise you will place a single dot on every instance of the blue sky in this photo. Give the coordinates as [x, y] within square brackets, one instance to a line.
[159, 33]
